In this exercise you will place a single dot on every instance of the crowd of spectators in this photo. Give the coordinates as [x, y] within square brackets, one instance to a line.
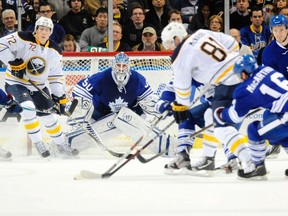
[82, 25]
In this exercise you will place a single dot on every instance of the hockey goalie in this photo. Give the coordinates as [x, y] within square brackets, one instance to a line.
[116, 101]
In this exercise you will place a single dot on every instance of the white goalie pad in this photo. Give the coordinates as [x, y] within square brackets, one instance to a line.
[104, 127]
[82, 112]
[133, 126]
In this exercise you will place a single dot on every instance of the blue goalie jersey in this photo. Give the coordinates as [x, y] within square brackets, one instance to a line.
[107, 97]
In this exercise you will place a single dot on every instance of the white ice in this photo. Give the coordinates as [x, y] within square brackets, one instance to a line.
[33, 186]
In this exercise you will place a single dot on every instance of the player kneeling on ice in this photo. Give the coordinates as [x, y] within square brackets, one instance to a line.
[111, 103]
[13, 107]
[264, 87]
[33, 59]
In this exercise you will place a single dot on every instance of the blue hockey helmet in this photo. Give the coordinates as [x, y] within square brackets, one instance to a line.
[278, 20]
[245, 63]
[121, 68]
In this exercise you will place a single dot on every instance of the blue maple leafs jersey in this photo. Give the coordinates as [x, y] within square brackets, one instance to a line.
[265, 88]
[3, 97]
[276, 56]
[105, 94]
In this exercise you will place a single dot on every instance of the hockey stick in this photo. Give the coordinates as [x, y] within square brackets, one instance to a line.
[94, 136]
[85, 174]
[146, 160]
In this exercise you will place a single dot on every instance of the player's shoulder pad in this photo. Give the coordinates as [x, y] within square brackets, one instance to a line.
[26, 36]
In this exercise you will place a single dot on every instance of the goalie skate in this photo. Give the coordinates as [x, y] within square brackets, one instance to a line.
[204, 167]
[178, 165]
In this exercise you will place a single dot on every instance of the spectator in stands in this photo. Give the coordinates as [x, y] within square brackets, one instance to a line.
[117, 35]
[93, 5]
[284, 11]
[9, 22]
[255, 35]
[157, 16]
[46, 11]
[119, 12]
[77, 19]
[174, 16]
[1, 9]
[188, 9]
[215, 23]
[240, 17]
[244, 49]
[277, 6]
[143, 3]
[149, 41]
[93, 36]
[30, 16]
[132, 31]
[59, 6]
[69, 44]
[200, 20]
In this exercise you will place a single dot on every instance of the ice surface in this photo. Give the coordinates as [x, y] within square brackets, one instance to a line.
[34, 186]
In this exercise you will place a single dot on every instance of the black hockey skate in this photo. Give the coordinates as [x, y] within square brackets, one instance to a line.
[41, 148]
[203, 167]
[258, 174]
[175, 167]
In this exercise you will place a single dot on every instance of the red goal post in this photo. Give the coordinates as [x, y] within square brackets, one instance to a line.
[154, 66]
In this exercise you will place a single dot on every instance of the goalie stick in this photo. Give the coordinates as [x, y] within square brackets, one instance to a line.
[85, 174]
[94, 136]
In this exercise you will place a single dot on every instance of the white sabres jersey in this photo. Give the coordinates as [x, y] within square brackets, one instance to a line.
[44, 63]
[206, 57]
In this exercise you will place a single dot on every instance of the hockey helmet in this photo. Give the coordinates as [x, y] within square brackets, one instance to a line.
[278, 20]
[44, 21]
[121, 68]
[245, 63]
[172, 30]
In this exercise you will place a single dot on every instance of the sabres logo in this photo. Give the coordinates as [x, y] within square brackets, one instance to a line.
[36, 66]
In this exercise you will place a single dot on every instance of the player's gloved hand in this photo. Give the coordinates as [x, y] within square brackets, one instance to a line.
[180, 112]
[61, 101]
[12, 105]
[18, 68]
[161, 106]
[218, 116]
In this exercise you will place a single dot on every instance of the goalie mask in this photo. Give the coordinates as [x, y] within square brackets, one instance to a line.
[121, 69]
[172, 30]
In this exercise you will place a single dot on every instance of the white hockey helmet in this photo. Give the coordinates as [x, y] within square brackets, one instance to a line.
[172, 30]
[121, 69]
[44, 21]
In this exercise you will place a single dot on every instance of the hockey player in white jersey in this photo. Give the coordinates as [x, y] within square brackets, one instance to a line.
[13, 107]
[199, 115]
[208, 58]
[105, 96]
[33, 58]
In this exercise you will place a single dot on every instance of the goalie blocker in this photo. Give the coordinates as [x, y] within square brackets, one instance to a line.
[126, 122]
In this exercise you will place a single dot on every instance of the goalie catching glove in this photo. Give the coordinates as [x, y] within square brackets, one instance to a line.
[61, 102]
[12, 105]
[18, 68]
[161, 106]
[181, 112]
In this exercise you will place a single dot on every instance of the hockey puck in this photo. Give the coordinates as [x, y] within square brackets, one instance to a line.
[286, 172]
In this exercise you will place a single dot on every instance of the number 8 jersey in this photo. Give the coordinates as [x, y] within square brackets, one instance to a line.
[207, 57]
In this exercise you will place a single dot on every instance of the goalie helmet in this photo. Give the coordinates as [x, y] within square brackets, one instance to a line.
[278, 20]
[245, 63]
[121, 69]
[44, 21]
[172, 30]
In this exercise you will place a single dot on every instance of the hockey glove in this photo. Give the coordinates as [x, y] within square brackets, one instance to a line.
[18, 68]
[161, 106]
[180, 112]
[61, 102]
[12, 105]
[218, 117]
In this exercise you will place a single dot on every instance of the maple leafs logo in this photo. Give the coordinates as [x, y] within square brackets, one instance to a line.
[117, 105]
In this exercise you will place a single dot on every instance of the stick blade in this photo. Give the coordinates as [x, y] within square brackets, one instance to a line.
[90, 175]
